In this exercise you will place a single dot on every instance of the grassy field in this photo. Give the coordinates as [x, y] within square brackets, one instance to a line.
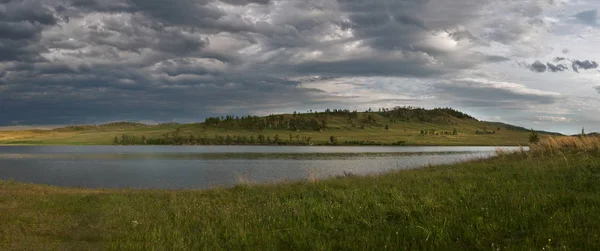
[548, 198]
[338, 126]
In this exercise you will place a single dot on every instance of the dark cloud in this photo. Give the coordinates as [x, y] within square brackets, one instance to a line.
[246, 2]
[589, 17]
[27, 11]
[556, 68]
[82, 61]
[576, 65]
[21, 23]
[585, 65]
[538, 66]
[64, 101]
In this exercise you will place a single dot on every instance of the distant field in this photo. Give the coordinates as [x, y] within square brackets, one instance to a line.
[545, 199]
[380, 129]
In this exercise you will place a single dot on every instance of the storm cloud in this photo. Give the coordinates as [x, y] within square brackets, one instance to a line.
[92, 61]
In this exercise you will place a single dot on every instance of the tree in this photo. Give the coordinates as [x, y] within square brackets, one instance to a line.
[533, 137]
[387, 127]
[116, 141]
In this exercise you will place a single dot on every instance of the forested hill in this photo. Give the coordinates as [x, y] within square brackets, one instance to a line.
[339, 118]
[397, 126]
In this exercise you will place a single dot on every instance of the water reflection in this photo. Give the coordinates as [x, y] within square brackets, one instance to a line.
[201, 167]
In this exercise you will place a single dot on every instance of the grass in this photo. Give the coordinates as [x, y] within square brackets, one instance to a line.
[548, 198]
[338, 126]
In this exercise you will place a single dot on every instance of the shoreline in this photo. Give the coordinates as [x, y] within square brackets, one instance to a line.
[320, 145]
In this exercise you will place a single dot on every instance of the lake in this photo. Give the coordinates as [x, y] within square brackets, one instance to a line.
[191, 167]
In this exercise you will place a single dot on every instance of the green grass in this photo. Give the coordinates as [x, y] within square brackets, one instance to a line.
[520, 201]
[337, 126]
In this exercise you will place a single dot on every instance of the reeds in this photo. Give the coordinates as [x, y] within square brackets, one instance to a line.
[244, 180]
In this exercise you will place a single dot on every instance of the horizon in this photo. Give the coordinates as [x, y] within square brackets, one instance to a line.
[526, 63]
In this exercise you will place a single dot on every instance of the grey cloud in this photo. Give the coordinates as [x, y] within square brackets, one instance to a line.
[576, 65]
[585, 65]
[18, 50]
[589, 17]
[460, 35]
[19, 31]
[538, 66]
[28, 11]
[556, 68]
[246, 2]
[185, 66]
[597, 89]
[478, 94]
[182, 12]
[21, 23]
[372, 67]
[192, 14]
[410, 20]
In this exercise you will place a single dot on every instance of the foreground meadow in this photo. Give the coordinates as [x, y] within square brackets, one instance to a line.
[548, 198]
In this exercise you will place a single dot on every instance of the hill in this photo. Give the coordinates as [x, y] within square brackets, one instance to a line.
[397, 126]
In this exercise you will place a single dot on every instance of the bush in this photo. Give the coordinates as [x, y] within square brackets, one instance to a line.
[533, 137]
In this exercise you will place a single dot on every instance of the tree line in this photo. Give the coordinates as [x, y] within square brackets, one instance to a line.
[269, 122]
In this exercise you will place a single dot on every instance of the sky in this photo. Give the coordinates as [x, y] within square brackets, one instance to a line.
[532, 63]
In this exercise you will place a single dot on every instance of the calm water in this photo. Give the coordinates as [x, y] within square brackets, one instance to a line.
[206, 166]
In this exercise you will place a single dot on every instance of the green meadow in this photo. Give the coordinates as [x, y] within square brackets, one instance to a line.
[547, 198]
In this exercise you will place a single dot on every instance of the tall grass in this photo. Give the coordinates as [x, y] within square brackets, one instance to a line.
[563, 145]
[529, 202]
